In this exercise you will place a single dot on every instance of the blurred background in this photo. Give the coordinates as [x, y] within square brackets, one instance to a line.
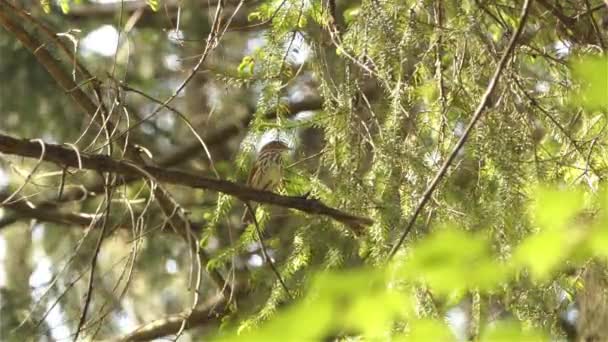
[371, 95]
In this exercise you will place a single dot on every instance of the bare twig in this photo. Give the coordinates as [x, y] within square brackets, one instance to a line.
[29, 176]
[476, 116]
[183, 117]
[45, 58]
[168, 205]
[211, 43]
[104, 227]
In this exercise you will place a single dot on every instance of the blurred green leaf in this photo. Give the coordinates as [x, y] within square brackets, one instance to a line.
[46, 6]
[65, 6]
[591, 73]
[554, 211]
[246, 67]
[422, 330]
[353, 301]
[598, 240]
[555, 208]
[542, 253]
[452, 260]
[252, 16]
[351, 13]
[511, 331]
[153, 4]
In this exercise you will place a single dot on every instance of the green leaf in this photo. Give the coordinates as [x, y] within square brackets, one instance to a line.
[374, 314]
[542, 253]
[356, 301]
[352, 14]
[65, 6]
[153, 4]
[452, 260]
[598, 241]
[554, 212]
[423, 330]
[591, 72]
[46, 6]
[555, 208]
[246, 67]
[253, 16]
[511, 331]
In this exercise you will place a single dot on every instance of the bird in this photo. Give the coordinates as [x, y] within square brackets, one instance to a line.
[266, 172]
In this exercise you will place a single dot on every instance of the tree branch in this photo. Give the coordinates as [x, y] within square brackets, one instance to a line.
[209, 315]
[22, 209]
[43, 213]
[67, 157]
[476, 116]
[45, 58]
[170, 208]
[564, 19]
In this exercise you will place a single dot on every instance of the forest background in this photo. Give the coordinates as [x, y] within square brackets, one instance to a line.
[445, 179]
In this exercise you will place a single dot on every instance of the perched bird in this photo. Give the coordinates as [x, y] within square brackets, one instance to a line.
[266, 173]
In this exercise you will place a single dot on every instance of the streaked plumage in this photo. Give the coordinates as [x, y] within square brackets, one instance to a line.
[266, 172]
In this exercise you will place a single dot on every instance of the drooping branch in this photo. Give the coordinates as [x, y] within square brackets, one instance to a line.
[465, 136]
[68, 157]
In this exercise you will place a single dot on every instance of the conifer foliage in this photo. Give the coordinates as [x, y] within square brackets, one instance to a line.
[443, 166]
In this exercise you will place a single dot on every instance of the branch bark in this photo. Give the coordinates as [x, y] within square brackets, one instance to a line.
[67, 157]
[209, 315]
[24, 210]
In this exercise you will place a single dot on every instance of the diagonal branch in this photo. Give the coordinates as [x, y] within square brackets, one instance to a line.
[564, 19]
[463, 139]
[45, 58]
[267, 257]
[67, 157]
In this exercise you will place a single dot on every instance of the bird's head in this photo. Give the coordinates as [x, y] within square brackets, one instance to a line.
[276, 146]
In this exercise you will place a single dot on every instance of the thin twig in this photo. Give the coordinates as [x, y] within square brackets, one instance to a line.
[212, 42]
[476, 116]
[265, 252]
[183, 117]
[104, 226]
[534, 102]
[596, 29]
[55, 69]
[29, 176]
